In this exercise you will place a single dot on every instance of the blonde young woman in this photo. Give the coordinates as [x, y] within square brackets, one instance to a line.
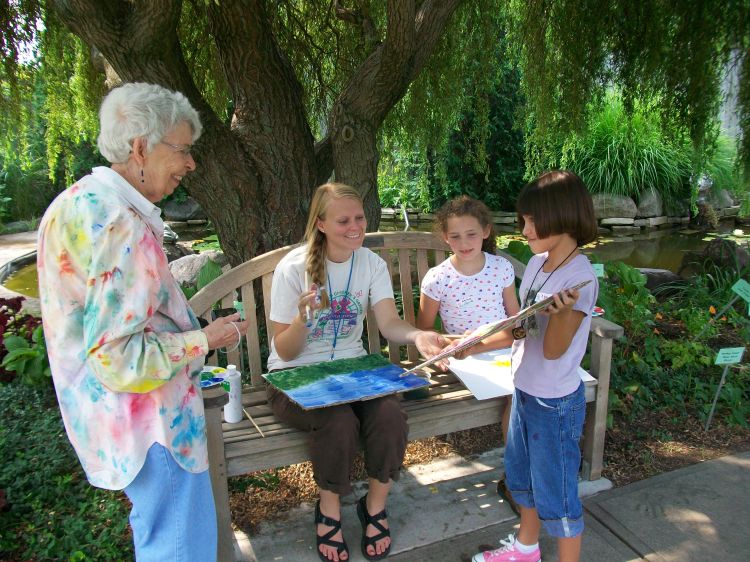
[354, 278]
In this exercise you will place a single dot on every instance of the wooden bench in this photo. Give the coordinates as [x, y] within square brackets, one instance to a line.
[236, 449]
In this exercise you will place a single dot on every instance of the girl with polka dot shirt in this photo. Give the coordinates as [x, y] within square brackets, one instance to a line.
[474, 286]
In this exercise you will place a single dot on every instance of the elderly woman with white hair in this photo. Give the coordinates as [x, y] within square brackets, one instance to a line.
[124, 345]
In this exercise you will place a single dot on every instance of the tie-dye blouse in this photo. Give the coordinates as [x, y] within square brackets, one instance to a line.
[122, 340]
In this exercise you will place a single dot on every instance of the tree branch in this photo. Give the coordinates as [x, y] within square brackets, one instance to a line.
[360, 19]
[431, 20]
[412, 36]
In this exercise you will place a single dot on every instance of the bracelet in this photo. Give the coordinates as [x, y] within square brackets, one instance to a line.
[239, 339]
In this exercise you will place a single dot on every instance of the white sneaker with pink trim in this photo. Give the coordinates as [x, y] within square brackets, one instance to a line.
[508, 553]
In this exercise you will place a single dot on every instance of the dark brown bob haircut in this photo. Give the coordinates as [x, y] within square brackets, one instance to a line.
[559, 203]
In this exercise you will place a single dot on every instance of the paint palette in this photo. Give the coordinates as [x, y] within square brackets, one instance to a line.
[212, 377]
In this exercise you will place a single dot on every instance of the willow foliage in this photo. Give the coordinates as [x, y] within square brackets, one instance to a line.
[570, 52]
[671, 51]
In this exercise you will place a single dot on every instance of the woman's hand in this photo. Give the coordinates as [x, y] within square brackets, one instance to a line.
[225, 331]
[429, 344]
[308, 303]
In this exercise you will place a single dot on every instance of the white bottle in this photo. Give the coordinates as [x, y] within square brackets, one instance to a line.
[233, 408]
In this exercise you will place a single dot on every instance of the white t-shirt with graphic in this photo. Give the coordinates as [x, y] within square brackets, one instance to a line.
[343, 321]
[469, 301]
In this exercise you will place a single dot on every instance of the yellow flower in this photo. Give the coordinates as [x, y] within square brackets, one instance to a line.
[711, 309]
[658, 316]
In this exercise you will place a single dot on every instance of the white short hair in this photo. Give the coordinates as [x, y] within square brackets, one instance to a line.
[138, 110]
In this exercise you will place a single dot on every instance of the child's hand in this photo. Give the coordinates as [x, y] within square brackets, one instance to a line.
[562, 302]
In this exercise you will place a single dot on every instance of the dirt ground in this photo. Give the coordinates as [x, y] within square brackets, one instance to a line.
[635, 449]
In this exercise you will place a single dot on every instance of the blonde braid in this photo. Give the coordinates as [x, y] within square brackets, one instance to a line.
[316, 265]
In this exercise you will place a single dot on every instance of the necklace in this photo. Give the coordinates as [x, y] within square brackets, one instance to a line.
[529, 326]
[338, 322]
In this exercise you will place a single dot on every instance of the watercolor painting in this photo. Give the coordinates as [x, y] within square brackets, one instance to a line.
[343, 380]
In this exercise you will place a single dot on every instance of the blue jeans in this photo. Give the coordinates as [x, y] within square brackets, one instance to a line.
[173, 516]
[542, 458]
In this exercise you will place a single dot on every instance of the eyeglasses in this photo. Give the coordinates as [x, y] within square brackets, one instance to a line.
[185, 150]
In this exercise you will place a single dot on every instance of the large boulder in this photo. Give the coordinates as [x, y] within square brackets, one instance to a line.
[720, 199]
[650, 204]
[659, 277]
[176, 251]
[185, 270]
[677, 208]
[725, 254]
[186, 210]
[608, 206]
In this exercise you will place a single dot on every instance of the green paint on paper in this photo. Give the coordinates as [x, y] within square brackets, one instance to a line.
[308, 374]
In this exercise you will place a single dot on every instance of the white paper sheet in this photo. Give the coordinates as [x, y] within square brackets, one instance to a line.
[488, 374]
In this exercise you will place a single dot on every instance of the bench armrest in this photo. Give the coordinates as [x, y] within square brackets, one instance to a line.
[606, 329]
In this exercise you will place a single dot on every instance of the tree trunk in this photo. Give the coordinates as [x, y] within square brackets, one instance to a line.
[355, 159]
[255, 178]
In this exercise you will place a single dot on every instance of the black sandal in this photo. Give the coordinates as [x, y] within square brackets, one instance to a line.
[366, 519]
[326, 539]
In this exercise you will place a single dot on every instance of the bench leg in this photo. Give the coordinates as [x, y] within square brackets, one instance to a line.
[218, 471]
[596, 415]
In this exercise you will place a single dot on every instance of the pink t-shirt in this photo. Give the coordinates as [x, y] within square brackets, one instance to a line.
[554, 378]
[469, 301]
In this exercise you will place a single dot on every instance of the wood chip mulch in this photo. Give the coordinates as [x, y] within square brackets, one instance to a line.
[635, 449]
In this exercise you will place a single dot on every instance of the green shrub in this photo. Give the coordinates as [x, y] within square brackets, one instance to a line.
[660, 363]
[722, 167]
[54, 513]
[484, 156]
[23, 353]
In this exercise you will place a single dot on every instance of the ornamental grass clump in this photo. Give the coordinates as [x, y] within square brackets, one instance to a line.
[623, 154]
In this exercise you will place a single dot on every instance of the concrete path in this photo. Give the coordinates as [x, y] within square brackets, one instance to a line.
[448, 511]
[15, 245]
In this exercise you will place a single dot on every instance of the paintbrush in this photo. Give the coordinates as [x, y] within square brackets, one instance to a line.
[252, 421]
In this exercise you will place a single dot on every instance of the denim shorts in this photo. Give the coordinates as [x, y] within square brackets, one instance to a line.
[542, 458]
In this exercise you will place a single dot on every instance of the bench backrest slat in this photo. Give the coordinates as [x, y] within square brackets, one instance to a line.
[253, 332]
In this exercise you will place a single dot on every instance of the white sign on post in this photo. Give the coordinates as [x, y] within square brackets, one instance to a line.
[729, 355]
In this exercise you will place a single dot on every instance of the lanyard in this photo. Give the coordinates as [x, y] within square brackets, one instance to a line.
[337, 323]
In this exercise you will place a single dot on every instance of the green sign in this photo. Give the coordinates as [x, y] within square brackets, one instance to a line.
[742, 288]
[729, 355]
[598, 269]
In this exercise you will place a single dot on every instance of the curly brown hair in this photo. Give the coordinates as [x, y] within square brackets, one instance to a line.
[464, 206]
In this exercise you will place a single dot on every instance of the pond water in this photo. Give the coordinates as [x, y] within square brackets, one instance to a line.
[24, 281]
